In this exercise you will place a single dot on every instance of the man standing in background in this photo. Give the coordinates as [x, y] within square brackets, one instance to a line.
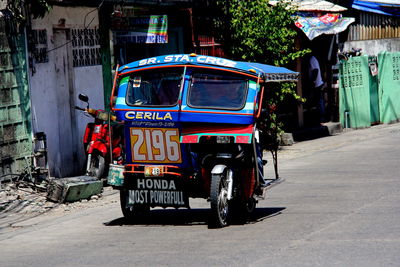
[314, 72]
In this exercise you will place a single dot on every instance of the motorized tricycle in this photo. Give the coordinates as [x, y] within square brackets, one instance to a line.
[191, 131]
[102, 143]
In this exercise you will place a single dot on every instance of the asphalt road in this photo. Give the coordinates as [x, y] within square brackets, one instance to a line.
[339, 205]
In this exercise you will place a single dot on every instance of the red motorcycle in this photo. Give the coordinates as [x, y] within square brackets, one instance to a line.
[96, 141]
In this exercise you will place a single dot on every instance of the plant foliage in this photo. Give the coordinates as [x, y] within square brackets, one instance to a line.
[256, 31]
[37, 8]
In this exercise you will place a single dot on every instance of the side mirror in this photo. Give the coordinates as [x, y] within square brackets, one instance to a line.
[83, 98]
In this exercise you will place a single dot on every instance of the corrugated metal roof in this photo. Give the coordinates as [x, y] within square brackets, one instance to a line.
[314, 5]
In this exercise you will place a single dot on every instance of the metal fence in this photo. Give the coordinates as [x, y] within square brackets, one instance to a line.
[372, 26]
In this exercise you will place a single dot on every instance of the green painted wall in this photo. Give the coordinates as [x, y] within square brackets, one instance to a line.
[15, 127]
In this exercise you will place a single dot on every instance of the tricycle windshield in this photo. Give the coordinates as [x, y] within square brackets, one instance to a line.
[217, 90]
[156, 87]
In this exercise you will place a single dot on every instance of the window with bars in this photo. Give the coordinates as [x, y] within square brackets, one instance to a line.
[38, 40]
[85, 47]
[352, 75]
[396, 68]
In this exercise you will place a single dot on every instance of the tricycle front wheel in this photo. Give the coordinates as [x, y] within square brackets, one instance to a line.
[219, 201]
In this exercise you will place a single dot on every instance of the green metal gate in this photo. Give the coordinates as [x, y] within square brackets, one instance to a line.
[354, 93]
[389, 86]
[15, 127]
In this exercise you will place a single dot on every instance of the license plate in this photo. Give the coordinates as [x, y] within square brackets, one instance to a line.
[153, 171]
[155, 145]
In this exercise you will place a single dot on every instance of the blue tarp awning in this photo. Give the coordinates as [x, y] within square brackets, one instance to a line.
[384, 7]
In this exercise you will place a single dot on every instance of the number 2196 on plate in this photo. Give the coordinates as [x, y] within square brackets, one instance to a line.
[155, 145]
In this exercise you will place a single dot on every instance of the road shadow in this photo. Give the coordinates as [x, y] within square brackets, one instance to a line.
[261, 214]
[188, 217]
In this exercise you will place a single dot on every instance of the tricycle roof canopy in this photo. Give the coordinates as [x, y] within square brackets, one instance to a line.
[266, 72]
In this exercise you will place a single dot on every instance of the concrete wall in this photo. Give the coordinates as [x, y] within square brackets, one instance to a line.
[373, 47]
[3, 4]
[55, 85]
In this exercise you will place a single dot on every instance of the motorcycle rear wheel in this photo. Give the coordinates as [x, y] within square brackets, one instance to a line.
[131, 212]
[97, 166]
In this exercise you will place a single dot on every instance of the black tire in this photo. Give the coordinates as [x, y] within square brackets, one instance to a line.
[242, 209]
[131, 212]
[250, 205]
[97, 166]
[219, 201]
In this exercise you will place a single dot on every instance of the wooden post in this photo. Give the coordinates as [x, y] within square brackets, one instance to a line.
[299, 91]
[104, 28]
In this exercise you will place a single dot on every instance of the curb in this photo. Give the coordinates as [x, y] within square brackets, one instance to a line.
[323, 130]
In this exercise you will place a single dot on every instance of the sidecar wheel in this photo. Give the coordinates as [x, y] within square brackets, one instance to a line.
[250, 205]
[131, 212]
[97, 166]
[242, 209]
[219, 201]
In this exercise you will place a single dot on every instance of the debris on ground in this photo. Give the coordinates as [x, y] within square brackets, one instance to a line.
[73, 189]
[20, 201]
